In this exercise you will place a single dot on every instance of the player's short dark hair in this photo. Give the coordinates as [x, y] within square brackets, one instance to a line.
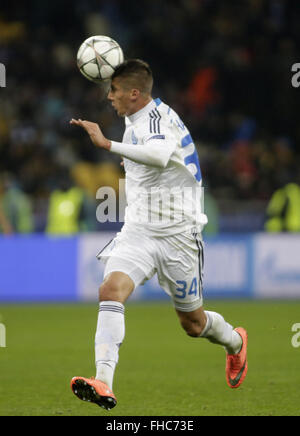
[136, 74]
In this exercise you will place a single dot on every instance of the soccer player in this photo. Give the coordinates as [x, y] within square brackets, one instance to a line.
[161, 233]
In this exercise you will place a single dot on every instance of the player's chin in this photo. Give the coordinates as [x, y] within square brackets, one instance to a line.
[121, 113]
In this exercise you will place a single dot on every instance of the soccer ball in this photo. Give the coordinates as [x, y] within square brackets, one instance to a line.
[98, 57]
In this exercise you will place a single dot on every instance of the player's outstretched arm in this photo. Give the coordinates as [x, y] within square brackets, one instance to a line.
[153, 154]
[94, 133]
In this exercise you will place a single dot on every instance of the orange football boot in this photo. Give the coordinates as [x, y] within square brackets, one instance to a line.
[93, 391]
[236, 364]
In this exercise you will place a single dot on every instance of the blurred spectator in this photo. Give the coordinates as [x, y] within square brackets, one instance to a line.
[201, 93]
[91, 177]
[283, 212]
[224, 66]
[16, 207]
[68, 211]
[5, 226]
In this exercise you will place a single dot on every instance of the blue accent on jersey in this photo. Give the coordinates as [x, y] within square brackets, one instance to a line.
[157, 101]
[134, 138]
[186, 140]
[192, 158]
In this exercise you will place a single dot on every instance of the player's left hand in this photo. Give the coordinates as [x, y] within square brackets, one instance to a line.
[94, 133]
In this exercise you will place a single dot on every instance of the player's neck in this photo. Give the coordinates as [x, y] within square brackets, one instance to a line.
[139, 105]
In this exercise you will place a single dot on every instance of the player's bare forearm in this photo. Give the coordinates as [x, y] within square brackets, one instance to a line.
[94, 133]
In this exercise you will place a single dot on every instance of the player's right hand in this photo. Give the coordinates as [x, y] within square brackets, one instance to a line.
[94, 133]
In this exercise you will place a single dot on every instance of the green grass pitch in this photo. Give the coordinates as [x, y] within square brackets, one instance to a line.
[161, 370]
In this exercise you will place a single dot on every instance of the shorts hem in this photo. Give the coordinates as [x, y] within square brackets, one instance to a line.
[118, 264]
[188, 307]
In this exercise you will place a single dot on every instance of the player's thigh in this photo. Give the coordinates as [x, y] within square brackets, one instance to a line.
[130, 254]
[180, 270]
[117, 286]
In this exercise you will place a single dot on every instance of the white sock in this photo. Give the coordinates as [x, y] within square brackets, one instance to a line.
[218, 331]
[109, 336]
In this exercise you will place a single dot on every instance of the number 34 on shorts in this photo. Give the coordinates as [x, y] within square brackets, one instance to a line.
[182, 290]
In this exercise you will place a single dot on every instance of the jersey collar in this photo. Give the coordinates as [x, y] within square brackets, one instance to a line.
[134, 117]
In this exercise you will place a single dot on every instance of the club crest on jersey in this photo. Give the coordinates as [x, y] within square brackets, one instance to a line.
[134, 138]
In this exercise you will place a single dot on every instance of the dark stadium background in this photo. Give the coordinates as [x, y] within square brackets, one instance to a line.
[226, 68]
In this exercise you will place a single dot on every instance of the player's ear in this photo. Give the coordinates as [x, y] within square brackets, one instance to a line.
[135, 93]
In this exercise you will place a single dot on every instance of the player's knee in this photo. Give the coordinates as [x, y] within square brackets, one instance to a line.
[116, 286]
[109, 291]
[113, 290]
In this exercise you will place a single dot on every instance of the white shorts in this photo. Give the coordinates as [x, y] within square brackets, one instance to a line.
[177, 260]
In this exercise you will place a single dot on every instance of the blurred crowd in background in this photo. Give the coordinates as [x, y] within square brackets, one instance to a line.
[224, 66]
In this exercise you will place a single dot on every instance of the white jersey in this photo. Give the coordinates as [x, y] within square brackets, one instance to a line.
[166, 200]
